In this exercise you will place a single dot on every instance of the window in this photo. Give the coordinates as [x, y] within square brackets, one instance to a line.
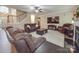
[32, 18]
[4, 9]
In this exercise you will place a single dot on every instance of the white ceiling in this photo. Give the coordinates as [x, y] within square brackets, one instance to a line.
[46, 8]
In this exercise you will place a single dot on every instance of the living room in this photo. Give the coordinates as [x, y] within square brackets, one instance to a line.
[45, 21]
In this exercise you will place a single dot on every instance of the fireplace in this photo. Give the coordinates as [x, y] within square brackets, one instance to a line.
[52, 27]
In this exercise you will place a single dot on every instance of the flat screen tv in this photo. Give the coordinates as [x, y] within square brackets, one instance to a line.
[53, 19]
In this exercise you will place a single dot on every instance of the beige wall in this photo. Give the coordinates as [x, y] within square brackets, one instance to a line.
[20, 21]
[14, 21]
[65, 17]
[24, 21]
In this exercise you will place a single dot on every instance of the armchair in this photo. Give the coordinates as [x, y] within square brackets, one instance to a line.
[68, 33]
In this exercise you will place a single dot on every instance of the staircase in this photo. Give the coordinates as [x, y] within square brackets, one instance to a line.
[21, 17]
[16, 20]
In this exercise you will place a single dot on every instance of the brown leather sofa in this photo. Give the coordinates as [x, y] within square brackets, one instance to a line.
[31, 27]
[62, 28]
[26, 43]
[15, 35]
[68, 33]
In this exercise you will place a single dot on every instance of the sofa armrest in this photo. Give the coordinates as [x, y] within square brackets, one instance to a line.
[11, 40]
[21, 46]
[39, 41]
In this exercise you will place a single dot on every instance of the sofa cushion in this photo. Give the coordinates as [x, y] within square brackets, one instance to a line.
[34, 43]
[38, 42]
[14, 31]
[21, 35]
[21, 46]
[29, 42]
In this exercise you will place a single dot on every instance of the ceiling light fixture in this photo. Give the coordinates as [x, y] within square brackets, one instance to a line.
[36, 9]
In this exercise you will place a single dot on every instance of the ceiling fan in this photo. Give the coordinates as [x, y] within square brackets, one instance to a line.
[37, 9]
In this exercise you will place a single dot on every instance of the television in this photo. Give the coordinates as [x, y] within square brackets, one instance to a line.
[53, 19]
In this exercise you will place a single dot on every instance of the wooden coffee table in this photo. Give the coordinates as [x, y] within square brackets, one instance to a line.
[41, 31]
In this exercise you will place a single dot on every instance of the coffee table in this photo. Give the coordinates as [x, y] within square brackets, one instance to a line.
[41, 31]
